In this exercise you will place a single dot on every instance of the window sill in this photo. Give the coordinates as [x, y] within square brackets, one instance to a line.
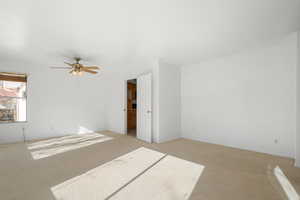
[11, 122]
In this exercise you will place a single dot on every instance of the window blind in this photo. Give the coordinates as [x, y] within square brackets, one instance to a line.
[5, 76]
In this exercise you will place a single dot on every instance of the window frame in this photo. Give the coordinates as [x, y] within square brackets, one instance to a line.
[25, 97]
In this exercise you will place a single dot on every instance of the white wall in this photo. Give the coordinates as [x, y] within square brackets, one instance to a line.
[166, 99]
[169, 102]
[57, 104]
[298, 107]
[116, 93]
[247, 100]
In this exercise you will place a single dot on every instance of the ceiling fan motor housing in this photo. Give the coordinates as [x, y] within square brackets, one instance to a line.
[77, 59]
[78, 69]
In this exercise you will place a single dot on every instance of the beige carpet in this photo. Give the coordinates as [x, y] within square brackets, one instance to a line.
[229, 173]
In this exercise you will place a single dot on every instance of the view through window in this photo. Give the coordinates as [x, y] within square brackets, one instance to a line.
[13, 97]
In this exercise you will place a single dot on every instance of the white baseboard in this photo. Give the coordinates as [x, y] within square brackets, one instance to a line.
[288, 188]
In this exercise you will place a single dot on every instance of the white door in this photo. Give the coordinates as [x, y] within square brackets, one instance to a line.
[144, 108]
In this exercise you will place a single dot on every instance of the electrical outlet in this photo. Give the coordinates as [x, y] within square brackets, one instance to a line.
[51, 127]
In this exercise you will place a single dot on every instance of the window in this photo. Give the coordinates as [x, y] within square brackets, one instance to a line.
[13, 97]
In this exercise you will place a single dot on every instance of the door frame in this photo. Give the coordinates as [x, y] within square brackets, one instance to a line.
[125, 104]
[125, 107]
[125, 100]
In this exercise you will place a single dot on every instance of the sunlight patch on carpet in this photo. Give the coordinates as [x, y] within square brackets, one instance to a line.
[61, 149]
[51, 147]
[106, 179]
[170, 179]
[141, 174]
[285, 184]
[63, 140]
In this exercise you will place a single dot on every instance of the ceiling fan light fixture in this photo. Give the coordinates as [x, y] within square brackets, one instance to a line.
[74, 73]
[78, 69]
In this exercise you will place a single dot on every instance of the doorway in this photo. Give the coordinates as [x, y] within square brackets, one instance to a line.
[131, 107]
[138, 107]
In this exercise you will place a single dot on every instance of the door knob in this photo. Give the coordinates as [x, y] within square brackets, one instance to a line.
[148, 111]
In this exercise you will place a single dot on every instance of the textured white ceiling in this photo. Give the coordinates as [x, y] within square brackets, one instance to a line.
[177, 31]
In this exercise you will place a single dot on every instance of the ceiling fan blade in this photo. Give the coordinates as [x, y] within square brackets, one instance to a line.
[89, 71]
[91, 67]
[69, 64]
[61, 67]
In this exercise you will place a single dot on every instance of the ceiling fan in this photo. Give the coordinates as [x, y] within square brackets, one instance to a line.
[78, 69]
